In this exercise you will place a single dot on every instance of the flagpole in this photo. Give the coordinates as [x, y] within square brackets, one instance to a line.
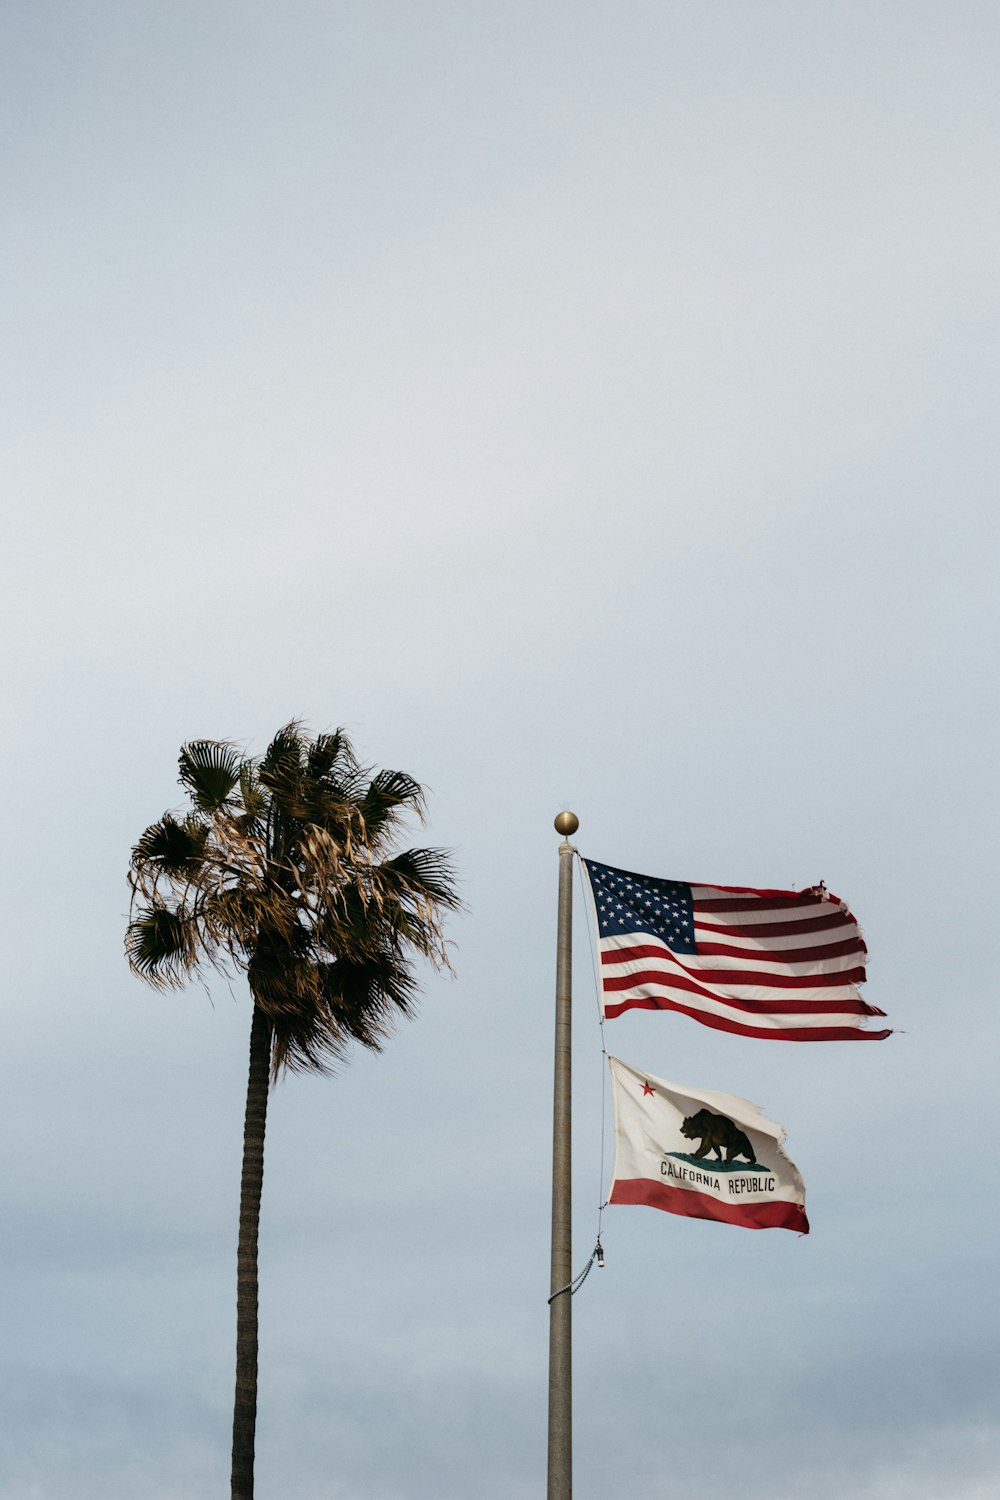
[560, 1472]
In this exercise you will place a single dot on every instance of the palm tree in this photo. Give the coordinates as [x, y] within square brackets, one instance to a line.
[283, 868]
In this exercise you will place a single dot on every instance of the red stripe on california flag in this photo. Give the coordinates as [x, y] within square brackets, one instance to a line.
[674, 1200]
[738, 1028]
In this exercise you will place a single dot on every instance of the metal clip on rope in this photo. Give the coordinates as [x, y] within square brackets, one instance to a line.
[574, 1286]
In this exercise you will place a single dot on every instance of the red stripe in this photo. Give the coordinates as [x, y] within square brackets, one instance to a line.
[660, 950]
[774, 980]
[782, 955]
[693, 1205]
[850, 1005]
[723, 1023]
[779, 929]
[808, 894]
[640, 950]
[762, 1005]
[747, 900]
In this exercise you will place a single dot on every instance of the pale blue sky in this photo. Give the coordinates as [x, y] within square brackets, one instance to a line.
[583, 404]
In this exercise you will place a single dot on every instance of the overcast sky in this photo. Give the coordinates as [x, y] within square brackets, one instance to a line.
[583, 404]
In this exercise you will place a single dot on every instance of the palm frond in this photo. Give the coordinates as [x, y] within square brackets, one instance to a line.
[253, 797]
[388, 797]
[358, 1001]
[344, 921]
[320, 862]
[424, 871]
[366, 996]
[172, 847]
[209, 769]
[231, 919]
[285, 754]
[163, 945]
[284, 979]
[331, 756]
[281, 770]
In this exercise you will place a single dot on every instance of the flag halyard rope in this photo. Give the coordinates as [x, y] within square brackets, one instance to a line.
[587, 900]
[597, 1254]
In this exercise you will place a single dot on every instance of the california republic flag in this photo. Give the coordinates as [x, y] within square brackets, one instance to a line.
[706, 1155]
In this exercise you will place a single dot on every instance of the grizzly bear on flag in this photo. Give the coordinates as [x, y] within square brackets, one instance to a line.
[717, 1134]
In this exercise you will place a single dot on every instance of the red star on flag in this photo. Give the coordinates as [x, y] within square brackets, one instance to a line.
[646, 1088]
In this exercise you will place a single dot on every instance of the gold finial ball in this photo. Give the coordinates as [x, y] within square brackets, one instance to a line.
[566, 823]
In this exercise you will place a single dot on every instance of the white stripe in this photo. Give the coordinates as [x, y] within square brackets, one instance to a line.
[807, 998]
[835, 964]
[778, 945]
[670, 962]
[750, 918]
[762, 1021]
[666, 963]
[839, 964]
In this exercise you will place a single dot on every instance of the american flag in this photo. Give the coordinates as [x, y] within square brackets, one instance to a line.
[778, 964]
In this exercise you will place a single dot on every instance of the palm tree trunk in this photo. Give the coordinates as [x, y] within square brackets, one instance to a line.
[245, 1406]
